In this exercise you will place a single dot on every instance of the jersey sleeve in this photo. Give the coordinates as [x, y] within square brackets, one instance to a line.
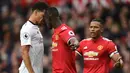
[112, 49]
[66, 35]
[25, 38]
[79, 50]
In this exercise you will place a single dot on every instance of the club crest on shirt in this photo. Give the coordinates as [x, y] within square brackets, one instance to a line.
[100, 47]
[25, 35]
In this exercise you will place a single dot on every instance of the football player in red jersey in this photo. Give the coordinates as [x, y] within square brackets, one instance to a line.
[97, 51]
[64, 43]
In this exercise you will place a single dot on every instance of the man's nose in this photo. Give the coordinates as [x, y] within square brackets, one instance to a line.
[92, 29]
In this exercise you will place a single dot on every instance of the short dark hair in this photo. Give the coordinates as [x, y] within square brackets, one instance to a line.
[98, 20]
[40, 6]
[53, 12]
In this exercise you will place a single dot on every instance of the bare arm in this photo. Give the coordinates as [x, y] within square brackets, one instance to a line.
[73, 43]
[118, 60]
[26, 58]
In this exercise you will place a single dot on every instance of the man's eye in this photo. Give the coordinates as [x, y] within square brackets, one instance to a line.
[90, 26]
[96, 27]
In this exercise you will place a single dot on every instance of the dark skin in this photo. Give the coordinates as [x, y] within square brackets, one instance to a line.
[96, 29]
[53, 22]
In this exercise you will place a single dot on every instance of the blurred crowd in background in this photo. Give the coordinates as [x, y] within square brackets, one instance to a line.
[75, 13]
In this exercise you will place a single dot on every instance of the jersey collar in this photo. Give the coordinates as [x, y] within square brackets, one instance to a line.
[32, 22]
[97, 39]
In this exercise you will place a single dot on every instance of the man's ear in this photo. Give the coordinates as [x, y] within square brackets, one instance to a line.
[35, 12]
[102, 29]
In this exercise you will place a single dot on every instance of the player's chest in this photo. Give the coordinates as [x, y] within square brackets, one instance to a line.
[55, 37]
[37, 36]
[94, 49]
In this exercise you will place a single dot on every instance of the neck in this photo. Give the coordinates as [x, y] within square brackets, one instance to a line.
[95, 38]
[33, 20]
[58, 23]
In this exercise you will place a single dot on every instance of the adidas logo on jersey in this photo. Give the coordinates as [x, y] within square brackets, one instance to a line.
[85, 47]
[63, 28]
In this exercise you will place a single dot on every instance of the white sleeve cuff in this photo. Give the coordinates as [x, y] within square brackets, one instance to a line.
[70, 39]
[78, 53]
[115, 52]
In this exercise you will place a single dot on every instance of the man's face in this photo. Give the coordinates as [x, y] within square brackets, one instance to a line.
[40, 17]
[48, 20]
[95, 29]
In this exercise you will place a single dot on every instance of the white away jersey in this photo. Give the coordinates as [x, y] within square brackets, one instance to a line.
[31, 35]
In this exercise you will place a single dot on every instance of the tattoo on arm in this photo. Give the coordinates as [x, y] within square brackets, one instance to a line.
[73, 43]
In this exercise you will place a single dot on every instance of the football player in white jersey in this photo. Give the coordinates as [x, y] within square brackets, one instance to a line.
[32, 47]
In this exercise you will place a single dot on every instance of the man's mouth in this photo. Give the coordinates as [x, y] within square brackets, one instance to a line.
[93, 33]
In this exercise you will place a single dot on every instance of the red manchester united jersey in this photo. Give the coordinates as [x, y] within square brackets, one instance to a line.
[63, 58]
[96, 54]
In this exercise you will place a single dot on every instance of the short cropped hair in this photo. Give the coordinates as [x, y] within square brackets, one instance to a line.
[39, 6]
[98, 20]
[53, 12]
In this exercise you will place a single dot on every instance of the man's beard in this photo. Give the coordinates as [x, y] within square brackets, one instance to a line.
[49, 26]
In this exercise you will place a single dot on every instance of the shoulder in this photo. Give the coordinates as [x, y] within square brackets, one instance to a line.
[110, 42]
[68, 27]
[106, 39]
[86, 40]
[27, 27]
[65, 28]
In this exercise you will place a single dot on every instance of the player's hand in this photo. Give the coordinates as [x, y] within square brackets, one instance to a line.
[119, 64]
[74, 47]
[73, 43]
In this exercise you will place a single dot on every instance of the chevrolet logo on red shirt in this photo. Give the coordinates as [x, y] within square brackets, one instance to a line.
[91, 54]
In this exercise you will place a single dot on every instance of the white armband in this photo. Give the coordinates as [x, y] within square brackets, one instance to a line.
[78, 53]
[115, 52]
